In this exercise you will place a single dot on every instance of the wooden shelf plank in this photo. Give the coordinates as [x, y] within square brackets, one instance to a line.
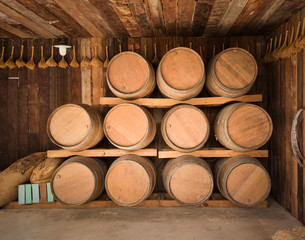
[99, 152]
[167, 102]
[146, 203]
[212, 152]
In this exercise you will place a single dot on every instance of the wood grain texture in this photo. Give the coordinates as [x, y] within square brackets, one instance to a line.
[67, 20]
[16, 31]
[232, 13]
[35, 27]
[156, 15]
[186, 10]
[170, 16]
[122, 10]
[168, 103]
[80, 16]
[201, 16]
[218, 11]
[252, 8]
[212, 152]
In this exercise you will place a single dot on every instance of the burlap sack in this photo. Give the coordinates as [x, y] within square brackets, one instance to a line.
[43, 172]
[18, 173]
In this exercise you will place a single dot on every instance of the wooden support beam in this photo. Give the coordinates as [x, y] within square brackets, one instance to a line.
[202, 12]
[155, 9]
[218, 11]
[186, 11]
[124, 13]
[41, 25]
[212, 152]
[98, 152]
[71, 7]
[15, 31]
[250, 10]
[168, 102]
[170, 14]
[232, 13]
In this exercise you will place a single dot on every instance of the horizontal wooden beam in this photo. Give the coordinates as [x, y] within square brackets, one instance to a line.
[212, 152]
[99, 152]
[15, 31]
[167, 102]
[25, 21]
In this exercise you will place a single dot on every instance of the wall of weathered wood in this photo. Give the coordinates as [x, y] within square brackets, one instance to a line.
[286, 85]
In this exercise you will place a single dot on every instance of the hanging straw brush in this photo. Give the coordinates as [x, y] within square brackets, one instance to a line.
[299, 42]
[282, 48]
[107, 58]
[10, 62]
[51, 62]
[20, 62]
[96, 61]
[42, 63]
[155, 60]
[31, 64]
[74, 63]
[276, 49]
[292, 47]
[85, 61]
[266, 53]
[285, 52]
[62, 63]
[2, 64]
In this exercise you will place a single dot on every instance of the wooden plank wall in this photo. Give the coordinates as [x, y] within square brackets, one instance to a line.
[27, 102]
[286, 82]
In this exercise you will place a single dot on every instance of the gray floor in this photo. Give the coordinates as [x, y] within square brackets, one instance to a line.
[146, 223]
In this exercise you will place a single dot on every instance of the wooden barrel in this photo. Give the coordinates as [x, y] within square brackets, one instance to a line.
[75, 127]
[130, 76]
[185, 128]
[243, 180]
[243, 127]
[188, 180]
[181, 74]
[231, 73]
[130, 180]
[129, 126]
[78, 180]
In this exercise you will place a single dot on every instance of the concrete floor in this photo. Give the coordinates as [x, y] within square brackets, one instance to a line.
[145, 223]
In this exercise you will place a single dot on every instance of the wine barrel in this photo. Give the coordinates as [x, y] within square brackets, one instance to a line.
[130, 180]
[78, 180]
[243, 180]
[130, 76]
[185, 128]
[188, 180]
[243, 127]
[231, 73]
[129, 126]
[181, 74]
[75, 127]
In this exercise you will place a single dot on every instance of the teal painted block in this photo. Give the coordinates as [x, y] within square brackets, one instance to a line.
[49, 193]
[21, 194]
[35, 193]
[28, 194]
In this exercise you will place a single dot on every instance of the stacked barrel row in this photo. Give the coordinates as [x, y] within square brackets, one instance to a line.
[185, 128]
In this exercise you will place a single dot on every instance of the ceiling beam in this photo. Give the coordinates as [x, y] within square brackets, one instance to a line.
[186, 11]
[71, 7]
[18, 32]
[122, 10]
[170, 14]
[202, 13]
[155, 9]
[19, 8]
[234, 10]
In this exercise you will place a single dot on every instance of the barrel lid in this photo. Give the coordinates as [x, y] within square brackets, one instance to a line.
[186, 126]
[249, 126]
[128, 72]
[191, 183]
[126, 125]
[182, 68]
[127, 182]
[235, 68]
[73, 183]
[248, 184]
[69, 125]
